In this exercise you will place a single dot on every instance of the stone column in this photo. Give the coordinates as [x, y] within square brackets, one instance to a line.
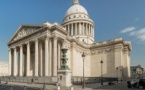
[72, 29]
[58, 56]
[15, 62]
[88, 29]
[10, 62]
[92, 31]
[83, 29]
[41, 58]
[50, 57]
[28, 60]
[80, 30]
[68, 29]
[21, 61]
[76, 26]
[46, 56]
[36, 58]
[54, 56]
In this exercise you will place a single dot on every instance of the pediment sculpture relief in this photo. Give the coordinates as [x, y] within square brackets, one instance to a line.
[24, 32]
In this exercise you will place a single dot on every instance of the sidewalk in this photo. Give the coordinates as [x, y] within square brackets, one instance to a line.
[53, 87]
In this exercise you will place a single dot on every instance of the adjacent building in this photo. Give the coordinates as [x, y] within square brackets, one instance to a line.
[4, 68]
[35, 50]
[137, 72]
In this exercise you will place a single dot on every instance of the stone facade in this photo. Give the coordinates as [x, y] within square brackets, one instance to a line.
[4, 68]
[34, 50]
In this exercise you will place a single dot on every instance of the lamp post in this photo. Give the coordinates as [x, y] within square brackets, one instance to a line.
[117, 74]
[83, 56]
[142, 72]
[101, 73]
[121, 75]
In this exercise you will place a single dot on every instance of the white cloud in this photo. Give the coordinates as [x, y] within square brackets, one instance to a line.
[132, 33]
[137, 33]
[141, 37]
[128, 29]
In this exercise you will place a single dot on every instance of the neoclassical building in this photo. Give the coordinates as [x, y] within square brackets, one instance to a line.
[35, 50]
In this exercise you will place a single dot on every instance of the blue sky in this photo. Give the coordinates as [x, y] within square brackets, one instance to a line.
[112, 18]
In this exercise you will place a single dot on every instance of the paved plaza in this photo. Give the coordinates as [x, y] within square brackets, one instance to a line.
[29, 86]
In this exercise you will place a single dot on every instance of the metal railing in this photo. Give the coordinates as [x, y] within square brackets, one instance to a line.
[52, 80]
[42, 80]
[89, 80]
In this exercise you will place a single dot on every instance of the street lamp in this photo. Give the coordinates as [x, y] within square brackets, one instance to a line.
[142, 72]
[83, 56]
[101, 73]
[117, 74]
[121, 75]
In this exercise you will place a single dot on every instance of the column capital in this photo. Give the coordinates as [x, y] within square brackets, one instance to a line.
[54, 37]
[47, 37]
[9, 49]
[14, 47]
[20, 45]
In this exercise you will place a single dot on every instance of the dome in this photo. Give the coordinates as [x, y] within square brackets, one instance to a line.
[76, 9]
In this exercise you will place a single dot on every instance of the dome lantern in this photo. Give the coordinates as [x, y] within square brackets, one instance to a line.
[75, 1]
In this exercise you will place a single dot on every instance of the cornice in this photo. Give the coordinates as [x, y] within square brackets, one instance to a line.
[116, 42]
[59, 28]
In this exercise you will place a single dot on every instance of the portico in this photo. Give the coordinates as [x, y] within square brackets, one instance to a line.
[36, 57]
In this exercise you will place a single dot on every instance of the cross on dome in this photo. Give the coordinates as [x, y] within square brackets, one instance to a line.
[75, 1]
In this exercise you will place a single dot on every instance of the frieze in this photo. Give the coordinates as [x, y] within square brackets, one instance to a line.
[101, 51]
[93, 52]
[107, 50]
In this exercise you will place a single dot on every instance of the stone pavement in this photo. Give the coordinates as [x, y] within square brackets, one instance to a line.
[54, 87]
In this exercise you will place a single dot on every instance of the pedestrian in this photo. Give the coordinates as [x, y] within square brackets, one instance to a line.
[44, 86]
[32, 80]
[129, 84]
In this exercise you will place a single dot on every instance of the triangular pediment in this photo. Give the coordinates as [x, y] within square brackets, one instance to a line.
[24, 31]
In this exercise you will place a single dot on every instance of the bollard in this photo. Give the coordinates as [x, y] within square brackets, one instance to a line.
[58, 87]
[44, 87]
[24, 87]
[71, 88]
[6, 82]
[11, 88]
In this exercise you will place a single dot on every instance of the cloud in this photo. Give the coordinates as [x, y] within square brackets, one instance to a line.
[128, 29]
[139, 34]
[134, 32]
[141, 37]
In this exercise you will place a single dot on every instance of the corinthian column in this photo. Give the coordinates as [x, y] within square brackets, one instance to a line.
[15, 62]
[28, 60]
[46, 56]
[80, 30]
[21, 60]
[58, 56]
[10, 62]
[50, 57]
[72, 30]
[36, 58]
[54, 56]
[41, 58]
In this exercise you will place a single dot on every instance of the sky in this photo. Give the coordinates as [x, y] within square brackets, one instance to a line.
[112, 18]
